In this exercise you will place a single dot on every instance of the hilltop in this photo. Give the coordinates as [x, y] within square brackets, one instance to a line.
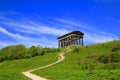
[93, 62]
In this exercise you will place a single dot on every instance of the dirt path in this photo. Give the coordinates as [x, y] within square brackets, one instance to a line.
[35, 77]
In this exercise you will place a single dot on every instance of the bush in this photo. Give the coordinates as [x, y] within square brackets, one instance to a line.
[109, 57]
[20, 51]
[115, 46]
[90, 68]
[108, 66]
[12, 52]
[76, 50]
[33, 51]
[88, 65]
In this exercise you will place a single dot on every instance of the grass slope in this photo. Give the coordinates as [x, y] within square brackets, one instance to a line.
[79, 63]
[11, 70]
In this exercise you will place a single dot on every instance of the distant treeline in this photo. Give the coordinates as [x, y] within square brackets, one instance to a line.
[19, 51]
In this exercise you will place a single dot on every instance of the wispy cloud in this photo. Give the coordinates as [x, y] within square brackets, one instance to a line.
[75, 24]
[29, 32]
[26, 40]
[92, 35]
[26, 31]
[99, 37]
[2, 30]
[34, 27]
[6, 43]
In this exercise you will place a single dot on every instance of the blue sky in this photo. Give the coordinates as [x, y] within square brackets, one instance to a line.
[40, 22]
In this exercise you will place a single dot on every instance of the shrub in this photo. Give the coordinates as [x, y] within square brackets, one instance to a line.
[85, 64]
[92, 55]
[20, 51]
[90, 68]
[115, 46]
[76, 50]
[12, 52]
[110, 66]
[109, 57]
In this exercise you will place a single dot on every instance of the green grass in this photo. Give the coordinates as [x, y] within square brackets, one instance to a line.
[74, 65]
[11, 70]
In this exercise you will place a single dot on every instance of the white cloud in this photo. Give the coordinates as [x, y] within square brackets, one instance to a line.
[2, 30]
[29, 29]
[98, 38]
[6, 43]
[92, 35]
[76, 25]
[34, 28]
[48, 30]
[28, 41]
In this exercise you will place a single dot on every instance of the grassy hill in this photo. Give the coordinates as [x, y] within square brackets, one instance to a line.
[94, 62]
[11, 69]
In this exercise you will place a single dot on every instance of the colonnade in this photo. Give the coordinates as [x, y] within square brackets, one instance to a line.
[70, 40]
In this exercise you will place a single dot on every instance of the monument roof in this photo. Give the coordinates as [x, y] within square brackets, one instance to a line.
[73, 32]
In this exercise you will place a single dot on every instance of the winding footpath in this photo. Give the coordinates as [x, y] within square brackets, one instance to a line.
[35, 77]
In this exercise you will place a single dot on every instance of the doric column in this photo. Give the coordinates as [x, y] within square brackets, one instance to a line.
[65, 41]
[71, 40]
[82, 41]
[61, 43]
[68, 41]
[75, 40]
[79, 41]
[58, 43]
